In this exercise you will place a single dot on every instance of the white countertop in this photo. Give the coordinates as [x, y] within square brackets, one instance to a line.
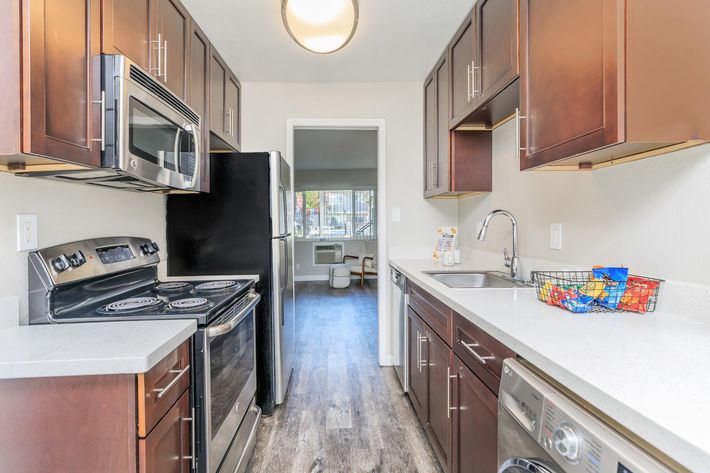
[89, 348]
[648, 372]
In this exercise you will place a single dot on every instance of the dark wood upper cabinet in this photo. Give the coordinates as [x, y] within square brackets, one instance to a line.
[198, 94]
[439, 422]
[62, 108]
[463, 67]
[455, 162]
[609, 81]
[475, 423]
[572, 78]
[172, 36]
[126, 29]
[232, 95]
[496, 44]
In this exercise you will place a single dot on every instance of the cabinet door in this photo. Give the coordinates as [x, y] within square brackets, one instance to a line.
[497, 47]
[173, 26]
[430, 135]
[442, 174]
[417, 366]
[62, 115]
[126, 29]
[475, 427]
[232, 96]
[198, 94]
[167, 449]
[439, 363]
[461, 58]
[571, 78]
[218, 115]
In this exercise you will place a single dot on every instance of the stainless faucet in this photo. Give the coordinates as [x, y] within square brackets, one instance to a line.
[511, 262]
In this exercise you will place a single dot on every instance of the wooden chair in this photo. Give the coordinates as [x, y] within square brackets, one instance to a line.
[366, 268]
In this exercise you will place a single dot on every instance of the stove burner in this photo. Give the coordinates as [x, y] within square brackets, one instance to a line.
[172, 286]
[187, 304]
[133, 304]
[215, 286]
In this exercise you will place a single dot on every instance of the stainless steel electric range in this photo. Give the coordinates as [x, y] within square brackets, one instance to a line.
[111, 279]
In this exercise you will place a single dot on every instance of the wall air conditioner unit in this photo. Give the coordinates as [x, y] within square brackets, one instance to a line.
[327, 253]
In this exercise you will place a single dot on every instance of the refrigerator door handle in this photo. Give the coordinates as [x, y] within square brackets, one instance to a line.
[285, 280]
[283, 214]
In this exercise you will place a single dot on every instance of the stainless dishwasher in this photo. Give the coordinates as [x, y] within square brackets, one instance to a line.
[541, 430]
[398, 316]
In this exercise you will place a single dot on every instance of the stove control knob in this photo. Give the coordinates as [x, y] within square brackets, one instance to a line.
[61, 263]
[567, 443]
[77, 259]
[155, 247]
[149, 249]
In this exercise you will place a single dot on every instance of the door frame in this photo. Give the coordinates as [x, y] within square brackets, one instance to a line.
[384, 325]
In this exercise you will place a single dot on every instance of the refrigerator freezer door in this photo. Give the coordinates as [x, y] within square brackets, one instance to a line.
[281, 196]
[284, 314]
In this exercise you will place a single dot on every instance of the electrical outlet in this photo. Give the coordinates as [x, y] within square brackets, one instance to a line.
[396, 214]
[555, 236]
[26, 232]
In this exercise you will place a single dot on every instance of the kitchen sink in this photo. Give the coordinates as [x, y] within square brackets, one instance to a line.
[475, 279]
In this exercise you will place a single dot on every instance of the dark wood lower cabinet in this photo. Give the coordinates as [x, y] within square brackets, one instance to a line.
[418, 389]
[475, 423]
[439, 422]
[457, 407]
[167, 448]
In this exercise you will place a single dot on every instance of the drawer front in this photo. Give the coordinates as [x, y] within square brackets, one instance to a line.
[161, 387]
[482, 353]
[168, 447]
[432, 311]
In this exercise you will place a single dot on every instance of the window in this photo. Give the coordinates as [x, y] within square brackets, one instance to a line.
[336, 215]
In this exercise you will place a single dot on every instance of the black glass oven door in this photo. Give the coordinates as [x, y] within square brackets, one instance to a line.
[231, 372]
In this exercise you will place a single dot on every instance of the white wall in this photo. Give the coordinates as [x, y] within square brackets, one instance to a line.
[68, 212]
[266, 106]
[650, 215]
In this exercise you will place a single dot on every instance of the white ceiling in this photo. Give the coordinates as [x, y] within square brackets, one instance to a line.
[396, 40]
[334, 149]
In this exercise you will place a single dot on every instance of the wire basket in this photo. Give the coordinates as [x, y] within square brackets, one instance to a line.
[579, 291]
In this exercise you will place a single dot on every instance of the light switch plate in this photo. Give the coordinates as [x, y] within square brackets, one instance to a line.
[555, 236]
[26, 232]
[396, 214]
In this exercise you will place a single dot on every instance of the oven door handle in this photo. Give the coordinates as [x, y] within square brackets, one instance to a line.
[229, 325]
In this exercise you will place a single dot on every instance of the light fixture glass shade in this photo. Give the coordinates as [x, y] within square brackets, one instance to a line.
[320, 26]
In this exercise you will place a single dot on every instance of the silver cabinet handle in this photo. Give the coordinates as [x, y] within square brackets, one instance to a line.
[192, 454]
[419, 351]
[102, 140]
[180, 373]
[470, 348]
[468, 83]
[449, 377]
[165, 63]
[518, 119]
[474, 91]
[159, 44]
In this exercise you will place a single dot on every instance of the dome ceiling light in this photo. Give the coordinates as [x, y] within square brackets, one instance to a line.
[320, 26]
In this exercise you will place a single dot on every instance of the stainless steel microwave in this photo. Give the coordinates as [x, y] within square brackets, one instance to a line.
[150, 139]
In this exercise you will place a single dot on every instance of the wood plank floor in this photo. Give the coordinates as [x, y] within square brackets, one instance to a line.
[343, 412]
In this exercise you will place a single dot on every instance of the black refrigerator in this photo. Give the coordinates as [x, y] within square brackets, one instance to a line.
[244, 226]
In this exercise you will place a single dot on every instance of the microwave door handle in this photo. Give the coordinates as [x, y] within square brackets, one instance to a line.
[198, 156]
